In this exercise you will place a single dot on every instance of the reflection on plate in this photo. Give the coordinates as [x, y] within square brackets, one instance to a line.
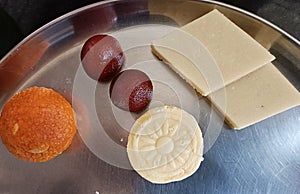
[257, 159]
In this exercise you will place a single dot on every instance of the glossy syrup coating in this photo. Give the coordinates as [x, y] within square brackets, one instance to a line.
[131, 90]
[102, 57]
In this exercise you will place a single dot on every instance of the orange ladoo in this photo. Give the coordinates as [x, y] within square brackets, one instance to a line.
[37, 124]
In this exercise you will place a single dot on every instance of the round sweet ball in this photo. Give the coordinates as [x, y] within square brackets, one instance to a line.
[37, 124]
[131, 90]
[102, 57]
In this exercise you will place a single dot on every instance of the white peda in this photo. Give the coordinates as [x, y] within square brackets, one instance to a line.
[165, 145]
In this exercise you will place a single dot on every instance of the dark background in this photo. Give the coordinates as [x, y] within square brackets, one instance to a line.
[29, 15]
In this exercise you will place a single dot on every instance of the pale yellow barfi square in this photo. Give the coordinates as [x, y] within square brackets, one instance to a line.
[190, 51]
[255, 97]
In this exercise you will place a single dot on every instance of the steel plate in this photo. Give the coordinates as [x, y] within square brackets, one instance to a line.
[262, 158]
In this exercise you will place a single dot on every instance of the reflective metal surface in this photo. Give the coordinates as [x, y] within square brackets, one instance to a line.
[263, 158]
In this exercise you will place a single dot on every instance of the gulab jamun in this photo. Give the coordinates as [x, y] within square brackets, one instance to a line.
[102, 57]
[131, 90]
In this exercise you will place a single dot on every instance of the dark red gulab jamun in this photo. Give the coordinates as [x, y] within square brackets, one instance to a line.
[131, 90]
[102, 57]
